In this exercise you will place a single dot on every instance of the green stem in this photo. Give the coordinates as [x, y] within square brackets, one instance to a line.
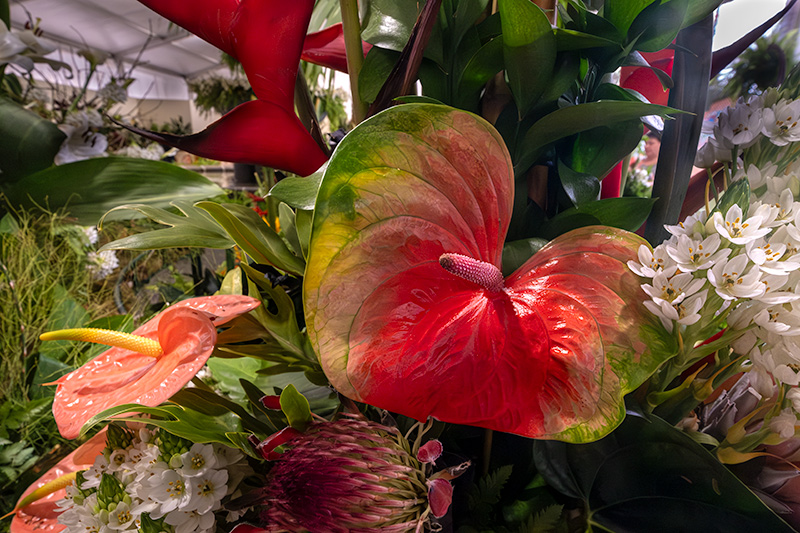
[74, 104]
[351, 28]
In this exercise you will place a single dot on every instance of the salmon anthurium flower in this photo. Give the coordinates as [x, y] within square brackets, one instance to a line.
[41, 514]
[408, 310]
[267, 37]
[146, 367]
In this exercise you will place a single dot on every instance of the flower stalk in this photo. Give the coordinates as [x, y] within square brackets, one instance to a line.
[351, 26]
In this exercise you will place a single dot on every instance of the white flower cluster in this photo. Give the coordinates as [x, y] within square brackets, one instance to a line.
[139, 487]
[101, 264]
[741, 268]
[741, 126]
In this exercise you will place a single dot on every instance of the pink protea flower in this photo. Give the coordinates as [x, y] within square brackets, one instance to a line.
[350, 475]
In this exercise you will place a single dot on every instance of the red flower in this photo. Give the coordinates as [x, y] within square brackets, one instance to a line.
[147, 371]
[326, 48]
[350, 475]
[266, 36]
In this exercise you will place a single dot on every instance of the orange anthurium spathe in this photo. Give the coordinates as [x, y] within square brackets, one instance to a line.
[184, 334]
[41, 514]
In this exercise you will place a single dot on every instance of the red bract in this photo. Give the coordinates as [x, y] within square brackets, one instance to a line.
[41, 516]
[266, 36]
[326, 48]
[186, 332]
[407, 308]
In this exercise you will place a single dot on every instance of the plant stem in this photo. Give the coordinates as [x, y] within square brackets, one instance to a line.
[77, 99]
[308, 114]
[487, 451]
[351, 27]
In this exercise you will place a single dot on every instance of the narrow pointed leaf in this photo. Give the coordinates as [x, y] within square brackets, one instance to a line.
[90, 188]
[575, 119]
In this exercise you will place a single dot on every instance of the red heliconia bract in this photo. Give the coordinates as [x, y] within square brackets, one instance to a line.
[406, 306]
[349, 476]
[267, 37]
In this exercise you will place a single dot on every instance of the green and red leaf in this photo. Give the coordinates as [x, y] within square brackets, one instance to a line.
[549, 356]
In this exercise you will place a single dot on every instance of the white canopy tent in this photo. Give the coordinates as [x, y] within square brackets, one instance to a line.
[164, 54]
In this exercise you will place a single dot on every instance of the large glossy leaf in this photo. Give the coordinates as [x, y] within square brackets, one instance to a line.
[549, 355]
[529, 50]
[650, 476]
[28, 143]
[88, 189]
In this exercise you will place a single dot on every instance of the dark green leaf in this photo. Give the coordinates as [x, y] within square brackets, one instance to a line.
[581, 188]
[388, 24]
[621, 13]
[575, 119]
[738, 193]
[210, 403]
[650, 476]
[480, 68]
[529, 50]
[28, 143]
[90, 188]
[598, 150]
[299, 193]
[576, 40]
[658, 25]
[515, 253]
[376, 68]
[417, 99]
[627, 213]
[303, 220]
[700, 9]
[5, 13]
[296, 408]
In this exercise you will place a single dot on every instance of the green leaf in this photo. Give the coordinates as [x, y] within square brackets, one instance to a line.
[515, 253]
[650, 476]
[581, 188]
[529, 50]
[90, 188]
[303, 219]
[627, 213]
[254, 236]
[378, 64]
[5, 13]
[577, 40]
[658, 25]
[296, 408]
[298, 193]
[575, 119]
[598, 150]
[699, 9]
[28, 143]
[621, 13]
[175, 419]
[738, 193]
[480, 68]
[388, 24]
[210, 403]
[194, 228]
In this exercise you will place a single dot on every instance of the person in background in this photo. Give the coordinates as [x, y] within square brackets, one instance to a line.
[642, 169]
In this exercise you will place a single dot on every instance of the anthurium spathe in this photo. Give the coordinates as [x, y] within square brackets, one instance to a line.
[266, 36]
[407, 308]
[156, 361]
[39, 512]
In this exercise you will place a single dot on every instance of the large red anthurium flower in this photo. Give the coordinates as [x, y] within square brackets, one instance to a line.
[407, 308]
[267, 37]
[149, 366]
